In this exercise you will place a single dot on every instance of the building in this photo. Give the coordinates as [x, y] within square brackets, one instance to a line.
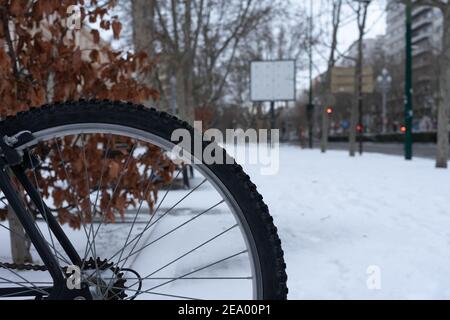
[427, 31]
[373, 50]
[395, 30]
[373, 62]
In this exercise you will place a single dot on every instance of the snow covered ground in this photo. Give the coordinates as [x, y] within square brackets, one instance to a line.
[339, 216]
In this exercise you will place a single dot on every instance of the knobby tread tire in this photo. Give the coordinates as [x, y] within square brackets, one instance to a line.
[256, 212]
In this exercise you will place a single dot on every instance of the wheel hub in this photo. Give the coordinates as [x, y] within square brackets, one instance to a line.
[105, 282]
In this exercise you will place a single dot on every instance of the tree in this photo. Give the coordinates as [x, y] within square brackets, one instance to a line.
[179, 26]
[195, 42]
[335, 25]
[361, 13]
[141, 15]
[220, 42]
[444, 85]
[280, 35]
[43, 60]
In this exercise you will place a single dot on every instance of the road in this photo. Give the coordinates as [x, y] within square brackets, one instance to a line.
[421, 150]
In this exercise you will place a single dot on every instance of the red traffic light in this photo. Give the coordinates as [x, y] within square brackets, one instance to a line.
[359, 128]
[403, 129]
[329, 110]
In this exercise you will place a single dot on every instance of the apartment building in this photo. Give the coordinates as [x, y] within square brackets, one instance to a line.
[426, 40]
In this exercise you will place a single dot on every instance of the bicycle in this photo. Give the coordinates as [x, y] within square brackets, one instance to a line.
[215, 240]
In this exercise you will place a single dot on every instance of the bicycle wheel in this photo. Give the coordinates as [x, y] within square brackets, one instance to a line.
[144, 225]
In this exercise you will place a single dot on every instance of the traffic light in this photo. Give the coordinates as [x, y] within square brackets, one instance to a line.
[403, 129]
[330, 110]
[359, 128]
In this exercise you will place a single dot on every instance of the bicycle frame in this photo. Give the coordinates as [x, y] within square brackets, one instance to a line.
[11, 164]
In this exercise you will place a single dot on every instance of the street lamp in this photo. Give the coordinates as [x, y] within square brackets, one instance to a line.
[384, 82]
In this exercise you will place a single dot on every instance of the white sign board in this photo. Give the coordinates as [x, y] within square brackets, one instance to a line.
[272, 80]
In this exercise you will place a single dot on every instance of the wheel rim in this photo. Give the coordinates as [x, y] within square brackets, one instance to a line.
[93, 128]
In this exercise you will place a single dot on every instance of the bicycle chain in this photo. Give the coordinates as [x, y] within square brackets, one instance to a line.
[102, 265]
[23, 266]
[88, 264]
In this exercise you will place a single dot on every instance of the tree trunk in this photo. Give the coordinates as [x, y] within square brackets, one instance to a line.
[143, 12]
[143, 17]
[353, 125]
[180, 92]
[189, 93]
[336, 21]
[20, 245]
[188, 64]
[357, 101]
[330, 101]
[184, 91]
[444, 101]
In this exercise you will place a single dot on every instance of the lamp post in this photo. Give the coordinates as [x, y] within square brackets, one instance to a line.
[384, 82]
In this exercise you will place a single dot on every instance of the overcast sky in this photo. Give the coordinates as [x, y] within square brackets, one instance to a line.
[376, 25]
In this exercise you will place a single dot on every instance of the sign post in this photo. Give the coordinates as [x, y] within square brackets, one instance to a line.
[272, 81]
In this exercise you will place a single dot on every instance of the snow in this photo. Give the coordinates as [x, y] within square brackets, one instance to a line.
[337, 216]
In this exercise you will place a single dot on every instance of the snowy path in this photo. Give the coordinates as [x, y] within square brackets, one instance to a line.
[337, 216]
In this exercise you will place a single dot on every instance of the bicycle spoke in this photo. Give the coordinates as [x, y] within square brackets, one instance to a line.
[103, 170]
[150, 223]
[24, 282]
[147, 224]
[61, 257]
[21, 292]
[192, 272]
[88, 191]
[134, 221]
[75, 195]
[18, 275]
[178, 227]
[171, 296]
[185, 254]
[193, 250]
[125, 166]
[156, 293]
[3, 201]
[136, 215]
[185, 278]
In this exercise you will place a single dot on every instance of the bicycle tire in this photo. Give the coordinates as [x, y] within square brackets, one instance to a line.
[237, 182]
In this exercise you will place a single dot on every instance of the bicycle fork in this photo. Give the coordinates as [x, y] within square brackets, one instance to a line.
[59, 290]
